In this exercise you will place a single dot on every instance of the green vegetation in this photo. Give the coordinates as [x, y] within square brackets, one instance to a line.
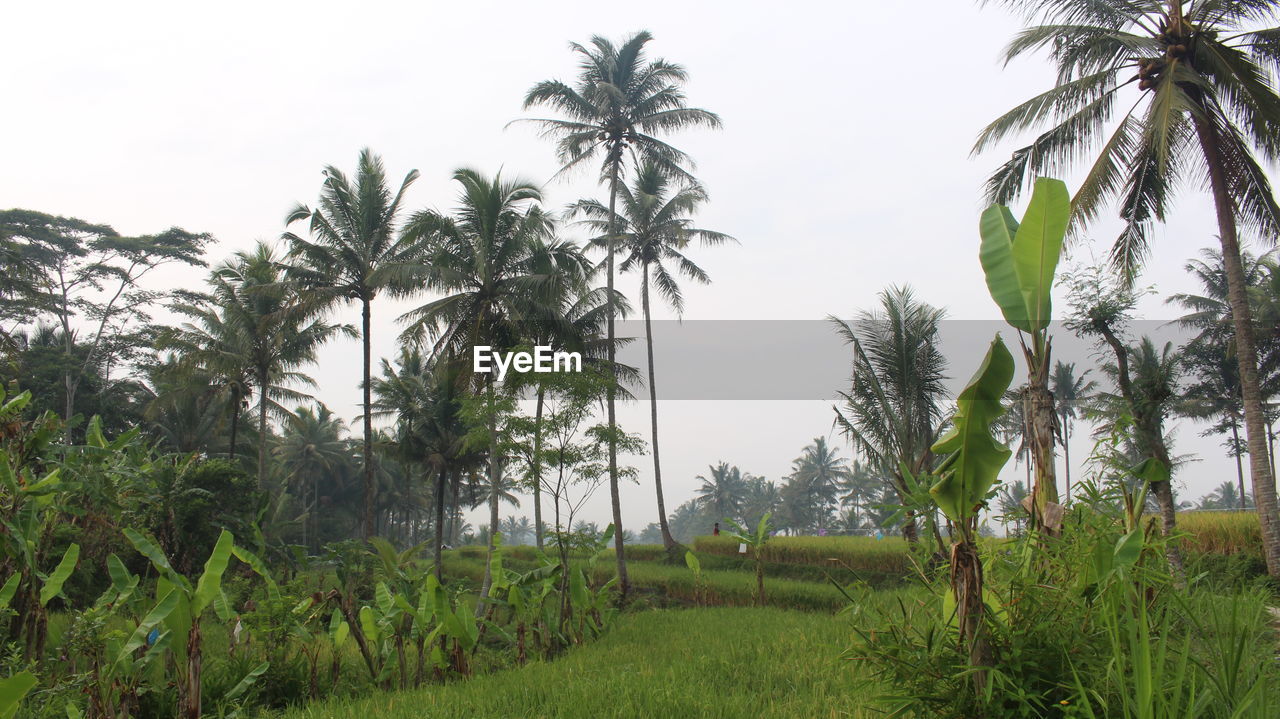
[890, 555]
[184, 535]
[713, 663]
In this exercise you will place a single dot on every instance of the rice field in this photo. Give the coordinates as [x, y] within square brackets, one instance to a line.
[1225, 533]
[888, 555]
[707, 663]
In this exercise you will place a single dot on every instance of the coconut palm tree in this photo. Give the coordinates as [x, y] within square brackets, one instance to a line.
[312, 447]
[499, 272]
[815, 477]
[1192, 83]
[355, 253]
[857, 490]
[186, 408]
[1215, 392]
[1070, 391]
[720, 491]
[622, 103]
[893, 411]
[255, 319]
[576, 325]
[653, 230]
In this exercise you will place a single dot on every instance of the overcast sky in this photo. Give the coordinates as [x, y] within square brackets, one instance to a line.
[843, 165]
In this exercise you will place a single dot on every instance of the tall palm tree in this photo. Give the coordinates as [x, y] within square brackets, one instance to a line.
[257, 320]
[720, 491]
[653, 229]
[621, 104]
[1210, 357]
[1070, 391]
[1193, 79]
[185, 406]
[1224, 496]
[858, 489]
[213, 348]
[356, 253]
[498, 269]
[817, 474]
[893, 411]
[576, 326]
[312, 447]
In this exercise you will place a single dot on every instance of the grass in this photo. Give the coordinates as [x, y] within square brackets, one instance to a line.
[667, 583]
[706, 663]
[1221, 532]
[890, 555]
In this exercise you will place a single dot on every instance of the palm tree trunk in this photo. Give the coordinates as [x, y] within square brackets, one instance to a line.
[262, 428]
[624, 585]
[1264, 488]
[1066, 458]
[441, 478]
[235, 424]
[495, 472]
[1271, 447]
[1235, 447]
[1038, 406]
[667, 540]
[368, 421]
[537, 469]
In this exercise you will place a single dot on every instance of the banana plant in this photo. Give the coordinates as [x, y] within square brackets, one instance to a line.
[971, 462]
[531, 612]
[456, 626]
[12, 691]
[1020, 260]
[119, 662]
[699, 584]
[189, 604]
[756, 541]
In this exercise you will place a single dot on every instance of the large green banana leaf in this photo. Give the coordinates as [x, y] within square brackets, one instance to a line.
[1020, 259]
[973, 456]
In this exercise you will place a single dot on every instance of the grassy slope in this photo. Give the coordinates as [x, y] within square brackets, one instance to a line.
[712, 663]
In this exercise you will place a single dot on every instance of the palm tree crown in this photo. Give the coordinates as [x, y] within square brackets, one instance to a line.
[1145, 82]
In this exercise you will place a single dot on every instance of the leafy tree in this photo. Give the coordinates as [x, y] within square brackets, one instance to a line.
[1201, 105]
[621, 104]
[89, 282]
[356, 253]
[1146, 379]
[39, 362]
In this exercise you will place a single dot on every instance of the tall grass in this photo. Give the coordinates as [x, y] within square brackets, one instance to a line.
[706, 663]
[1221, 532]
[888, 555]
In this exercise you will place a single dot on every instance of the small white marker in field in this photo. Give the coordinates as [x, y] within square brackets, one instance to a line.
[742, 548]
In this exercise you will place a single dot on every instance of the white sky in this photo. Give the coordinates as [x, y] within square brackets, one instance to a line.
[843, 165]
